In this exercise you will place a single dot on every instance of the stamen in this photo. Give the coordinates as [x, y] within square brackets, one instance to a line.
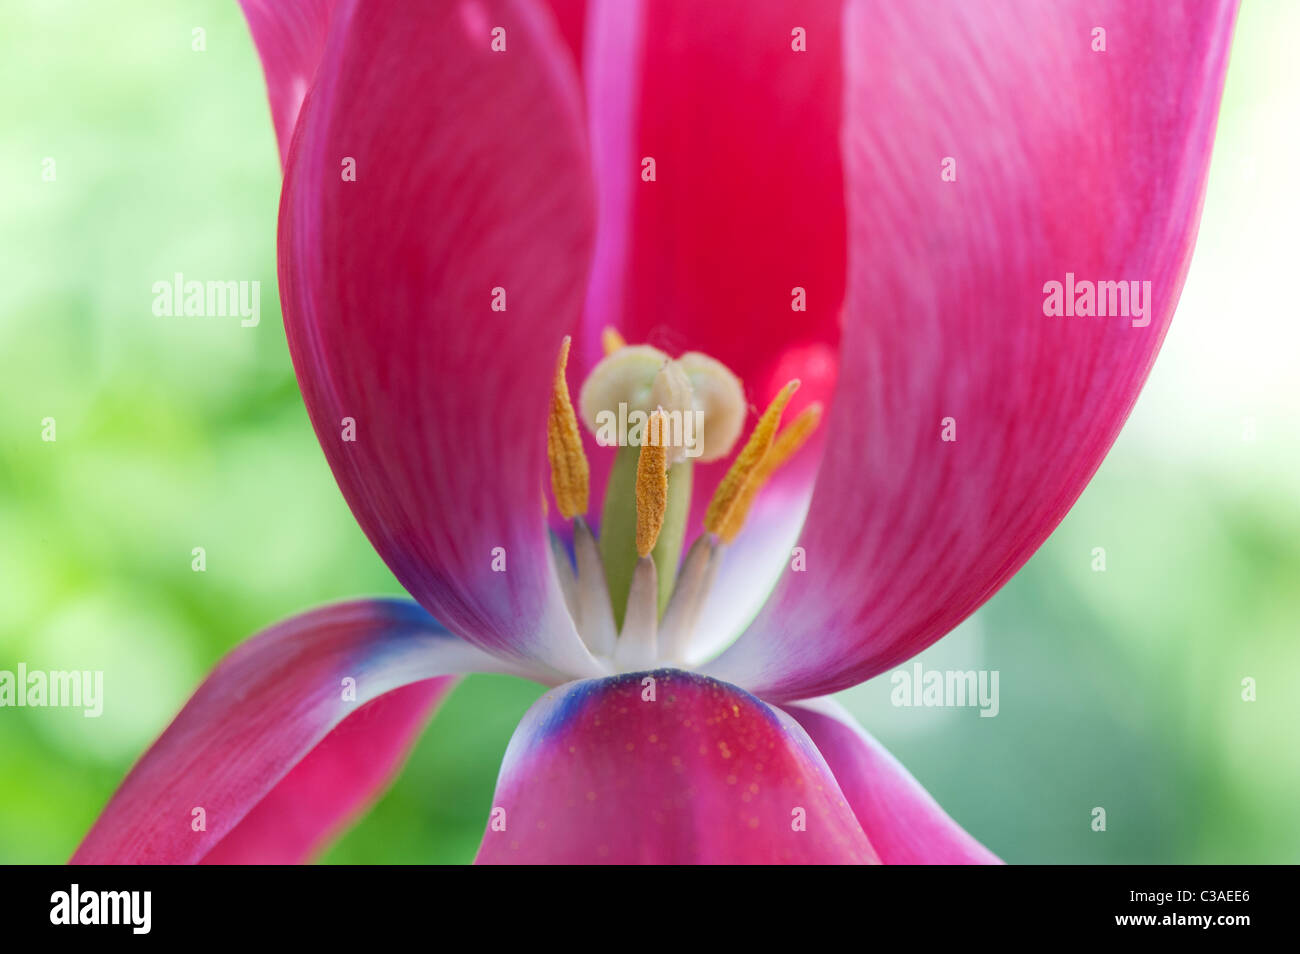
[568, 580]
[637, 643]
[785, 446]
[595, 616]
[570, 475]
[747, 461]
[706, 587]
[611, 340]
[652, 484]
[678, 624]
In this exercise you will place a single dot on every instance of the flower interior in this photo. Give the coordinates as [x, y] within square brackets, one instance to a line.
[635, 600]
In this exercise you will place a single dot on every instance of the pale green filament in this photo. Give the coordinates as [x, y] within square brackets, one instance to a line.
[618, 529]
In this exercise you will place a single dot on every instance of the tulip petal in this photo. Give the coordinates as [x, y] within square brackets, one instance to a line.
[290, 38]
[905, 824]
[264, 710]
[1068, 161]
[665, 767]
[747, 200]
[747, 197]
[471, 188]
[335, 783]
[571, 21]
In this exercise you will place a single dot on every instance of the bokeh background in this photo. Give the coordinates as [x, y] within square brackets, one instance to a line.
[1119, 689]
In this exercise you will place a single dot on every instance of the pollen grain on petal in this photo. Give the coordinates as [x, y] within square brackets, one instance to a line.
[611, 340]
[570, 475]
[732, 487]
[786, 444]
[652, 483]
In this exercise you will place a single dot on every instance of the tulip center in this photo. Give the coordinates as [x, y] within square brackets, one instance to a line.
[635, 600]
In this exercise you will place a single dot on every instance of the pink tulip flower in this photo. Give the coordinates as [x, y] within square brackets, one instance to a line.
[871, 198]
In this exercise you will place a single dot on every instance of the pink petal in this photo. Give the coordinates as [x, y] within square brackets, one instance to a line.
[335, 783]
[290, 37]
[748, 201]
[264, 710]
[471, 175]
[905, 824]
[600, 772]
[571, 21]
[1069, 160]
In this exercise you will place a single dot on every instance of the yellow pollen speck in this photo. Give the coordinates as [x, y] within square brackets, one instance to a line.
[786, 445]
[652, 484]
[570, 475]
[611, 340]
[747, 461]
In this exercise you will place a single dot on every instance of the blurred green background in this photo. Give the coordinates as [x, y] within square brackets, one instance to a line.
[1119, 689]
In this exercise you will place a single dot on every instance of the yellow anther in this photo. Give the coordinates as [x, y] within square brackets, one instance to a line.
[729, 492]
[570, 475]
[792, 437]
[611, 340]
[652, 483]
